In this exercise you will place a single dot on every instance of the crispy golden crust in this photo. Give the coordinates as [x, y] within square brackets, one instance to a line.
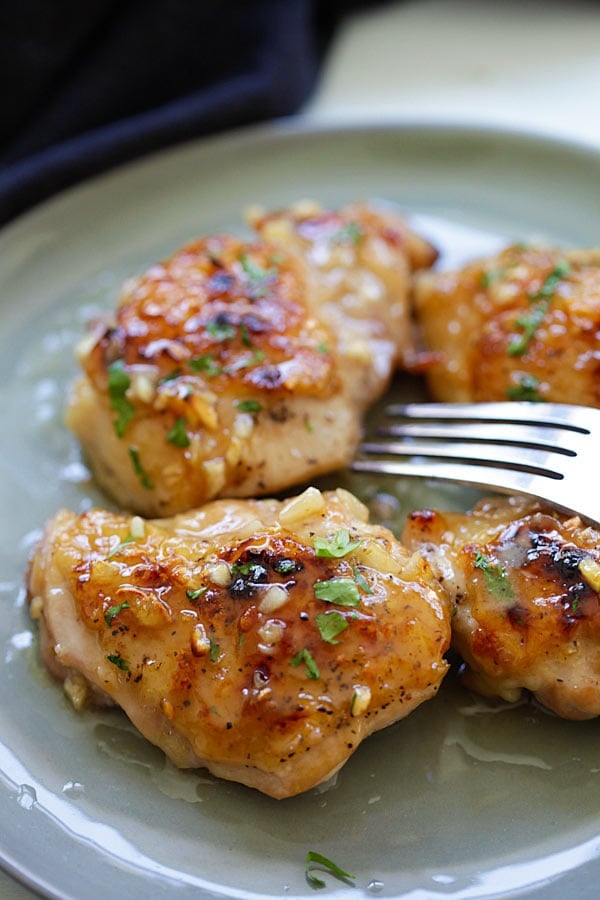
[521, 325]
[240, 368]
[525, 584]
[232, 311]
[359, 264]
[208, 630]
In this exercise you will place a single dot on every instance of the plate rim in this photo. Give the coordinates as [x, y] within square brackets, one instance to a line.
[289, 128]
[282, 131]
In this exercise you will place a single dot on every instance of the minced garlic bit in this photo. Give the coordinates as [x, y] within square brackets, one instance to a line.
[353, 505]
[148, 608]
[214, 476]
[274, 598]
[142, 387]
[36, 607]
[590, 570]
[360, 700]
[373, 554]
[278, 231]
[167, 708]
[219, 574]
[270, 633]
[358, 351]
[200, 642]
[309, 503]
[203, 410]
[243, 425]
[75, 687]
[137, 528]
[233, 453]
[306, 208]
[85, 346]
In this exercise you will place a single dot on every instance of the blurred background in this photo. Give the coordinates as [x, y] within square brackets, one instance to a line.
[88, 86]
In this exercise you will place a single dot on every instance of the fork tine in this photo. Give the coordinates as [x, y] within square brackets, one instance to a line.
[522, 435]
[505, 457]
[561, 415]
[543, 450]
[484, 477]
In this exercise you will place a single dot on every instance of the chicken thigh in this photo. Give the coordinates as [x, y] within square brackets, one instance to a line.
[522, 325]
[525, 583]
[239, 368]
[262, 639]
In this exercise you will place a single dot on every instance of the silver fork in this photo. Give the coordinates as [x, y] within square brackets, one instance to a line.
[545, 450]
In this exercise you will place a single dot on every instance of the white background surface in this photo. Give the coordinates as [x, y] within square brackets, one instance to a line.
[518, 63]
[529, 65]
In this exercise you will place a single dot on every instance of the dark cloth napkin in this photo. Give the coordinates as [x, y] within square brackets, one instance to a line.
[89, 85]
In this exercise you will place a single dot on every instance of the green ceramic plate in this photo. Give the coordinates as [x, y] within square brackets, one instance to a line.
[460, 800]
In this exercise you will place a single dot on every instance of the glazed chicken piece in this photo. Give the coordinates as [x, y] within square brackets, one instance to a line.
[357, 264]
[522, 325]
[525, 583]
[239, 368]
[261, 639]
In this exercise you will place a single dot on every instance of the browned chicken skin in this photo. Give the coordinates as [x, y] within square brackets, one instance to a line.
[353, 258]
[261, 639]
[523, 325]
[239, 368]
[525, 583]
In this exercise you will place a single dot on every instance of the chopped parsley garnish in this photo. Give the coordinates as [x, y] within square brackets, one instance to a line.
[220, 330]
[171, 376]
[284, 566]
[114, 611]
[254, 571]
[330, 624]
[246, 340]
[361, 581]
[253, 270]
[257, 275]
[246, 362]
[496, 578]
[304, 656]
[205, 363]
[118, 384]
[317, 859]
[178, 435]
[194, 594]
[530, 322]
[348, 234]
[322, 347]
[128, 539]
[139, 470]
[214, 650]
[525, 389]
[339, 545]
[250, 406]
[551, 282]
[490, 276]
[342, 591]
[117, 660]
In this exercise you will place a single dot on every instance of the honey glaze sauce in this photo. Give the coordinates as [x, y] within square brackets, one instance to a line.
[402, 813]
